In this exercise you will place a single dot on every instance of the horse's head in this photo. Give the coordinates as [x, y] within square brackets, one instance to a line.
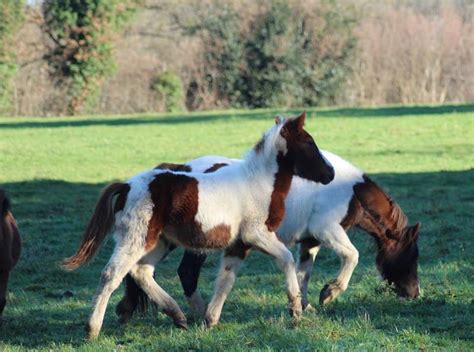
[300, 152]
[398, 263]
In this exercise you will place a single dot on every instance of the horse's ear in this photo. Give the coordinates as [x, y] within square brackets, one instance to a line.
[278, 120]
[296, 123]
[413, 231]
[300, 120]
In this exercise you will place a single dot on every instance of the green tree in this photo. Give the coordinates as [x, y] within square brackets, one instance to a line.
[11, 18]
[288, 56]
[82, 31]
[170, 89]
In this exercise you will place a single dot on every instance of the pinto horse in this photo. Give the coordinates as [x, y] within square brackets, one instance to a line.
[317, 215]
[242, 203]
[10, 246]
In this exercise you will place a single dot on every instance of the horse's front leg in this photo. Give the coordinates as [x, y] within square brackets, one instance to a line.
[188, 272]
[230, 264]
[268, 242]
[336, 238]
[309, 248]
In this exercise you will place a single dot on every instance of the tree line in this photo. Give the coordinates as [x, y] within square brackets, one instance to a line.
[95, 55]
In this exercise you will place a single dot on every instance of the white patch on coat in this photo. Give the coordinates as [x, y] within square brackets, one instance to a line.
[310, 207]
[131, 223]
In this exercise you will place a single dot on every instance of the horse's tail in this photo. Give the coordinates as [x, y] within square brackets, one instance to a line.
[99, 225]
[384, 214]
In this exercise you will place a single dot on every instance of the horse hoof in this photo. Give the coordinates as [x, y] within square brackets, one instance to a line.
[210, 322]
[181, 324]
[91, 334]
[296, 312]
[308, 308]
[329, 293]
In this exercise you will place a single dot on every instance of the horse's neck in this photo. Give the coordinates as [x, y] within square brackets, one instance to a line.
[271, 176]
[377, 230]
[260, 168]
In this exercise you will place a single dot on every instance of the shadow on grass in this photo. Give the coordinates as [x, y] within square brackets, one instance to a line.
[393, 111]
[434, 316]
[52, 215]
[250, 115]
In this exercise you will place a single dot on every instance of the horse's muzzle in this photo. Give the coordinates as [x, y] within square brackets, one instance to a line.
[327, 178]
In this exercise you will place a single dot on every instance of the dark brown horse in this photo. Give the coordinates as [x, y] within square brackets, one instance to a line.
[10, 246]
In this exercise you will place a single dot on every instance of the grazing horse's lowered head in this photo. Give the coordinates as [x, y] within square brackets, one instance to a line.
[398, 262]
[397, 257]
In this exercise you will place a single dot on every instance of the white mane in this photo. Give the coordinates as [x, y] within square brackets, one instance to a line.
[273, 143]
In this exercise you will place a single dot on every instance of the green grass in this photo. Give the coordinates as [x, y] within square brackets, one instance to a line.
[423, 156]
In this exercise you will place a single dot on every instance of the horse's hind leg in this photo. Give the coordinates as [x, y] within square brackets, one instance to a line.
[122, 260]
[309, 248]
[336, 238]
[230, 264]
[135, 299]
[4, 274]
[142, 273]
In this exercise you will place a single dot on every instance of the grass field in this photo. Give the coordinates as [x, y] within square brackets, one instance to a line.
[53, 169]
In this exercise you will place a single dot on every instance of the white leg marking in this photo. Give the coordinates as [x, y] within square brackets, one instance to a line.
[120, 263]
[304, 271]
[142, 273]
[337, 239]
[225, 280]
[269, 243]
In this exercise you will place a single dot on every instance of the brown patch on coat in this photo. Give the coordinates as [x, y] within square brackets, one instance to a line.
[382, 215]
[303, 159]
[174, 167]
[373, 210]
[215, 167]
[281, 187]
[354, 214]
[192, 236]
[175, 199]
